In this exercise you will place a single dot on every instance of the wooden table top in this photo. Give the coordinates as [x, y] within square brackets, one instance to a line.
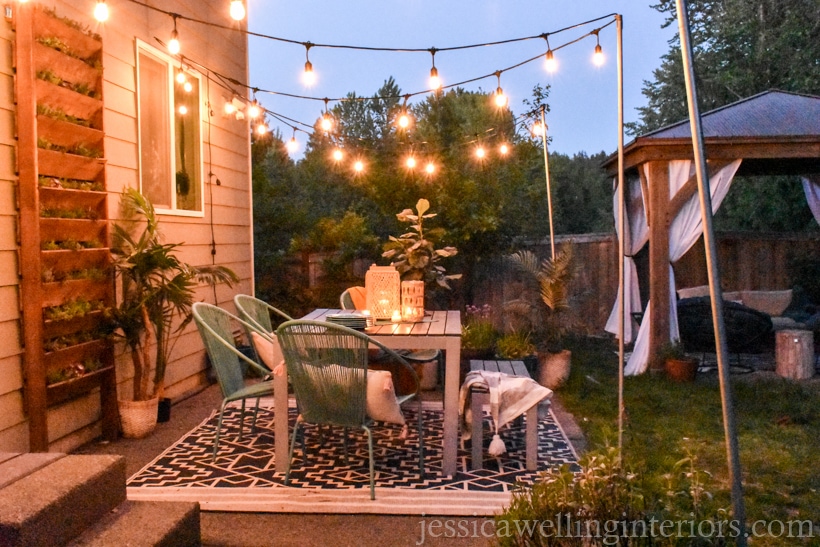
[435, 323]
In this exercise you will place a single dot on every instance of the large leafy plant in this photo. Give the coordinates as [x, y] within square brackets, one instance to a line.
[414, 253]
[545, 296]
[158, 289]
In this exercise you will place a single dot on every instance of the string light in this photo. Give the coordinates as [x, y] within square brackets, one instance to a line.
[410, 162]
[358, 166]
[337, 155]
[237, 10]
[180, 77]
[101, 11]
[254, 110]
[480, 153]
[308, 77]
[430, 168]
[537, 129]
[550, 64]
[403, 120]
[598, 56]
[327, 120]
[500, 98]
[173, 43]
[188, 87]
[262, 129]
[435, 81]
[293, 144]
[182, 109]
[230, 108]
[504, 149]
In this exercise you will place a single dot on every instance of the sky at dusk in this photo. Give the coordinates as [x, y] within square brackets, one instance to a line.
[583, 97]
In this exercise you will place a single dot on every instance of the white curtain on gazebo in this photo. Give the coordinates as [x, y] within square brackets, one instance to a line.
[635, 238]
[683, 233]
[811, 187]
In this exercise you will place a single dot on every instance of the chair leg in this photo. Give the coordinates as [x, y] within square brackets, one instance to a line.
[255, 414]
[372, 465]
[292, 445]
[478, 399]
[242, 419]
[421, 442]
[532, 438]
[218, 429]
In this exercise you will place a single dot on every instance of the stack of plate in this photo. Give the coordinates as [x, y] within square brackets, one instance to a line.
[350, 320]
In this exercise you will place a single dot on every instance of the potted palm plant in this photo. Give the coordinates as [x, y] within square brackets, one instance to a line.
[549, 279]
[158, 290]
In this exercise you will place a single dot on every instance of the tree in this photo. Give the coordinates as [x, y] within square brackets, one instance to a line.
[741, 48]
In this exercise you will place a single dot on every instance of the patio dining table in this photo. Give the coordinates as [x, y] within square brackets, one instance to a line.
[439, 330]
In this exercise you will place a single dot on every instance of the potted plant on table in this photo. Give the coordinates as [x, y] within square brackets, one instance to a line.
[158, 290]
[549, 280]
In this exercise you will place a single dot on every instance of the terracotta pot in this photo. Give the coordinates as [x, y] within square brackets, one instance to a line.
[138, 418]
[553, 368]
[681, 370]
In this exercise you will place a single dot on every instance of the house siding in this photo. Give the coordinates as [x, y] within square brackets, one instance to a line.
[227, 156]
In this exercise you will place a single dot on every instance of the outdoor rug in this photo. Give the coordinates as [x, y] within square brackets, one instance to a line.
[242, 478]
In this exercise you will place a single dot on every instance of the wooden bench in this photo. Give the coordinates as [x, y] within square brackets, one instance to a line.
[479, 397]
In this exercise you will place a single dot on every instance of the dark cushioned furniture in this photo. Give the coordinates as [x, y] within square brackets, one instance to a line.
[747, 330]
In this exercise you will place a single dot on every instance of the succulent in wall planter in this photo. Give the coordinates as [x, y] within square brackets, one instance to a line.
[158, 290]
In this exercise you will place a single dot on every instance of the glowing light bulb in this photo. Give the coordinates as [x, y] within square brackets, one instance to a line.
[182, 109]
[308, 76]
[549, 62]
[537, 129]
[435, 81]
[187, 86]
[261, 129]
[180, 78]
[404, 121]
[237, 10]
[430, 168]
[504, 149]
[254, 110]
[410, 162]
[480, 152]
[101, 11]
[500, 98]
[173, 44]
[338, 154]
[326, 123]
[358, 166]
[293, 145]
[230, 108]
[598, 56]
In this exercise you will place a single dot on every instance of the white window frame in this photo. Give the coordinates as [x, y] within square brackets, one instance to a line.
[173, 66]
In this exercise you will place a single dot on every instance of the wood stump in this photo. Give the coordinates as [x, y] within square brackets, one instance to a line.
[794, 354]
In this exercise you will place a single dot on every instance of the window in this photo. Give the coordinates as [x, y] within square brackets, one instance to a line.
[169, 133]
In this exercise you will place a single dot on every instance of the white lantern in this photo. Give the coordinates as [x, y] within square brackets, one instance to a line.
[412, 300]
[383, 287]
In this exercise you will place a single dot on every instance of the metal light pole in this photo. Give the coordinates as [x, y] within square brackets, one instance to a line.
[547, 174]
[621, 228]
[712, 268]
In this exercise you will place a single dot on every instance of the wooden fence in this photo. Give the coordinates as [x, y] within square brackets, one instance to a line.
[750, 261]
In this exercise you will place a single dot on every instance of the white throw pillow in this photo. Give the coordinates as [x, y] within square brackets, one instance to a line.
[264, 348]
[382, 404]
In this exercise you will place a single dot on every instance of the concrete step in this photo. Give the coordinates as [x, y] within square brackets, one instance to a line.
[54, 504]
[144, 524]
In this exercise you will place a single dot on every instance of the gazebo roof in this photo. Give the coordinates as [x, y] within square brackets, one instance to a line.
[775, 132]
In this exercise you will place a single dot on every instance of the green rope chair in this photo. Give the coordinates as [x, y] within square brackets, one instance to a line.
[257, 313]
[327, 365]
[215, 328]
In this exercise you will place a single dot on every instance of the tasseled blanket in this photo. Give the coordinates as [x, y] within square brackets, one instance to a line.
[510, 397]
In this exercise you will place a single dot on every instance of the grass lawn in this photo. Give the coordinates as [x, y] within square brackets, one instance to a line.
[778, 423]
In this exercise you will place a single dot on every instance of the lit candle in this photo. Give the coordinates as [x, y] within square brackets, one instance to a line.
[396, 318]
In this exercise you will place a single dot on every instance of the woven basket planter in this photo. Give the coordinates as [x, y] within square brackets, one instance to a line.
[138, 418]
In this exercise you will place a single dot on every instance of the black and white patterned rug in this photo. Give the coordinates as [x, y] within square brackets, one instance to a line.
[242, 478]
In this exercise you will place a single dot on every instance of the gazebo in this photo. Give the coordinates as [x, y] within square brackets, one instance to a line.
[772, 133]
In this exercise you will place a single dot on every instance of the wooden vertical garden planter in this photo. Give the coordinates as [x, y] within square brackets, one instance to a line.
[67, 280]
